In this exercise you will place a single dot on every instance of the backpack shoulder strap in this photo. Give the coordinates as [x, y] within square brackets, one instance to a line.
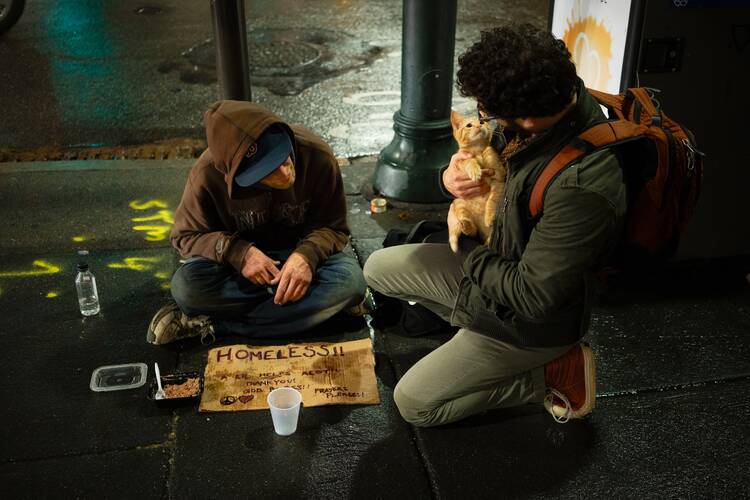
[594, 138]
[645, 100]
[636, 104]
[610, 101]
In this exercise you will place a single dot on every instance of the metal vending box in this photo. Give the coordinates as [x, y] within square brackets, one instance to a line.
[697, 53]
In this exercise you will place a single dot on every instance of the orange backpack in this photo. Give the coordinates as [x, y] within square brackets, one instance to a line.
[662, 167]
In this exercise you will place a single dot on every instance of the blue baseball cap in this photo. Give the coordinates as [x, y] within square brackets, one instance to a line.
[264, 156]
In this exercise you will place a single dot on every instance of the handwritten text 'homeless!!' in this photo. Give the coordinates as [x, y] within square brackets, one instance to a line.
[287, 352]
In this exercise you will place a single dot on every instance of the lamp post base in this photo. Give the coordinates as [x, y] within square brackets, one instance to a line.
[408, 169]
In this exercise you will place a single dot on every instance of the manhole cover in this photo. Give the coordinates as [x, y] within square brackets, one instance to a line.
[282, 54]
[265, 57]
[286, 61]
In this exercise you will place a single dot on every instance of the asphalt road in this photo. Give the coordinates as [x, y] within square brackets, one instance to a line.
[101, 73]
[672, 375]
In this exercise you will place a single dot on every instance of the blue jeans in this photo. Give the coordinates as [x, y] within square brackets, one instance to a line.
[236, 306]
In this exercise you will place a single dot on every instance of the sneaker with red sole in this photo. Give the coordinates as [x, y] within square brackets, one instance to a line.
[571, 384]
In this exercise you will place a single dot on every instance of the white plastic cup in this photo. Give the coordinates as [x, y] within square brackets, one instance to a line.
[284, 403]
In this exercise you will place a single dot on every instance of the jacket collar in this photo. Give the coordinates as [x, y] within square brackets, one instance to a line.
[585, 113]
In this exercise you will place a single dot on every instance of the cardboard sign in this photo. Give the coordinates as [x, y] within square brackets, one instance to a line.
[239, 377]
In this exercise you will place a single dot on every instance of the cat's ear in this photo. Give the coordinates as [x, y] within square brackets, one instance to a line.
[456, 120]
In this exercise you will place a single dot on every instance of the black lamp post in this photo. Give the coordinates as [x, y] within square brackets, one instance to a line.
[228, 18]
[408, 168]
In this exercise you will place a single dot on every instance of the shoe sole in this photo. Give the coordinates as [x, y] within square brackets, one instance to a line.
[589, 373]
[150, 335]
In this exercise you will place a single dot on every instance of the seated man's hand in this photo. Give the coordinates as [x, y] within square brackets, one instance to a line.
[459, 184]
[293, 280]
[259, 268]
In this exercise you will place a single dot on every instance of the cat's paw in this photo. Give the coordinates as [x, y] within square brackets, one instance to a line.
[473, 170]
[468, 227]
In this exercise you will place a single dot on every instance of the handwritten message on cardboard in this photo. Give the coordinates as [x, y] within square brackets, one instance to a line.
[239, 377]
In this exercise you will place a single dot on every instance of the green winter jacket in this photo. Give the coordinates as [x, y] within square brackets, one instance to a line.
[533, 284]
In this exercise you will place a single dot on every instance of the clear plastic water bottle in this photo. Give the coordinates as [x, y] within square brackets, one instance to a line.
[88, 298]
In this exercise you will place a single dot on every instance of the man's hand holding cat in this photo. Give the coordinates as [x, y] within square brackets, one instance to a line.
[459, 184]
[259, 268]
[293, 280]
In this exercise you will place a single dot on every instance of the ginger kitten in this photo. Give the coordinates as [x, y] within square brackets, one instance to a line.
[475, 215]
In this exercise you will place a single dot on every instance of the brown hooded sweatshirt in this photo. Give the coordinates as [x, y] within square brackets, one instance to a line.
[220, 220]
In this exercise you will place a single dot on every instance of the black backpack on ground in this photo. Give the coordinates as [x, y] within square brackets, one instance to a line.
[407, 319]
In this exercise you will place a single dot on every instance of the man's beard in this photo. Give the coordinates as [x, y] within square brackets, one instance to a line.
[514, 130]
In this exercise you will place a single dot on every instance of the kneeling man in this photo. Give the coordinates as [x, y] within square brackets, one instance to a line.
[262, 225]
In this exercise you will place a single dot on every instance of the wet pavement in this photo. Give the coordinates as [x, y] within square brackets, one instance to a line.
[673, 374]
[673, 371]
[99, 73]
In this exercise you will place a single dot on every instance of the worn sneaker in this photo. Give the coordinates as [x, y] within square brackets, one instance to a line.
[170, 324]
[571, 384]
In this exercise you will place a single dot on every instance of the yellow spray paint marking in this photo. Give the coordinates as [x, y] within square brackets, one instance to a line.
[78, 239]
[135, 263]
[44, 268]
[166, 286]
[154, 233]
[52, 295]
[142, 264]
[162, 215]
[145, 205]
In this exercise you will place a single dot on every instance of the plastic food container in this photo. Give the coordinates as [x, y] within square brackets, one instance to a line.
[118, 377]
[181, 385]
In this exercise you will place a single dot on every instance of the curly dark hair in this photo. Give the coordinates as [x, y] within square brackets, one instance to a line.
[518, 71]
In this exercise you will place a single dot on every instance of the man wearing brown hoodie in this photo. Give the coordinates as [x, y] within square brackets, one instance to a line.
[262, 225]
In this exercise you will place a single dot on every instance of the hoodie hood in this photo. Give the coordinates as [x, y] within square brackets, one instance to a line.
[231, 128]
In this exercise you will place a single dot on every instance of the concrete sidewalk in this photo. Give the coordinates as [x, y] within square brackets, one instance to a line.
[673, 375]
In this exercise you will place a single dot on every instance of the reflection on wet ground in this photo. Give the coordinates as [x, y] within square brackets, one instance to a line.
[113, 74]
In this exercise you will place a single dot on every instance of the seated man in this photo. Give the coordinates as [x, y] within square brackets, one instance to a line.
[523, 300]
[262, 224]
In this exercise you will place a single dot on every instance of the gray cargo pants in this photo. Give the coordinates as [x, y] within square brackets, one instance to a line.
[471, 372]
